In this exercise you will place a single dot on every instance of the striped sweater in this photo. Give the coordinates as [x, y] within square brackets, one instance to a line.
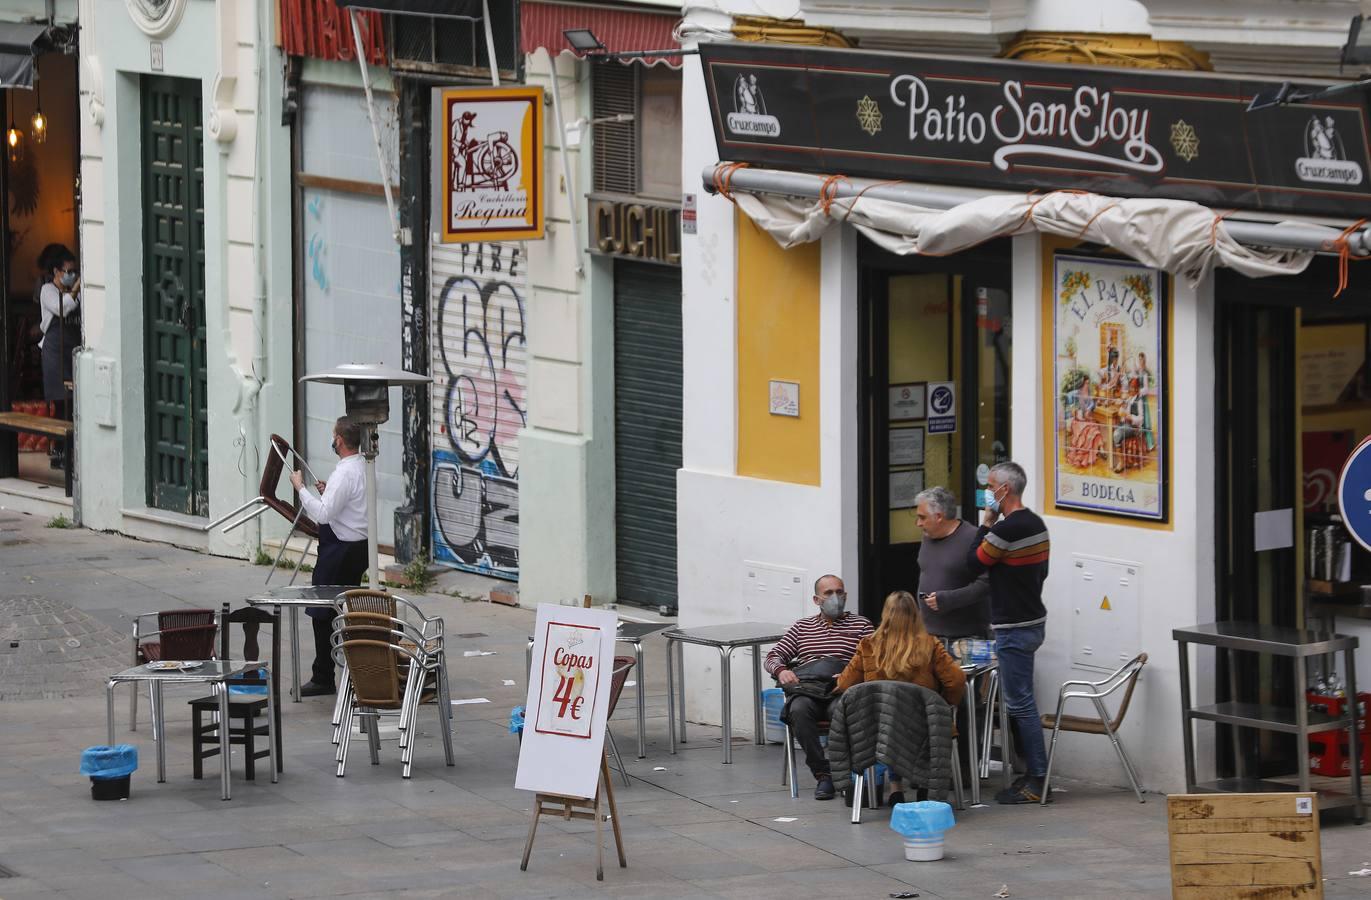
[816, 637]
[1015, 551]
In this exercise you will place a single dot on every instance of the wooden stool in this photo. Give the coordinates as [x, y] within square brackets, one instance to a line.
[246, 708]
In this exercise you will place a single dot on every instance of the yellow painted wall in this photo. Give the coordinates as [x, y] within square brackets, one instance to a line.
[778, 338]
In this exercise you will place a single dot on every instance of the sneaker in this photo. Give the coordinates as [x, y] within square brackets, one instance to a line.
[824, 789]
[1026, 790]
[310, 689]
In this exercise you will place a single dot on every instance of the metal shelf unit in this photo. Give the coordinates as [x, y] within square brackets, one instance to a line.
[1299, 720]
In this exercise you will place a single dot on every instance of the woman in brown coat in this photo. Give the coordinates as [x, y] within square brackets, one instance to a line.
[902, 650]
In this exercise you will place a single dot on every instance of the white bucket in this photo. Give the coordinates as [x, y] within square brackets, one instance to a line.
[924, 849]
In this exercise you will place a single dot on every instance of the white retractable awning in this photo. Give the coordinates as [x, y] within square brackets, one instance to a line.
[1184, 238]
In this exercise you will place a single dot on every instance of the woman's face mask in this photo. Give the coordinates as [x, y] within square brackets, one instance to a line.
[68, 279]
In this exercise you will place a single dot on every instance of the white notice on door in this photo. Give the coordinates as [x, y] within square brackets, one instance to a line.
[571, 673]
[1273, 530]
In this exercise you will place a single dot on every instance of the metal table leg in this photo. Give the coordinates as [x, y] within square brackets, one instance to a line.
[226, 739]
[758, 728]
[109, 708]
[972, 752]
[726, 686]
[671, 696]
[1354, 748]
[1187, 729]
[1302, 717]
[273, 734]
[1006, 741]
[528, 659]
[274, 687]
[680, 687]
[295, 653]
[642, 699]
[161, 736]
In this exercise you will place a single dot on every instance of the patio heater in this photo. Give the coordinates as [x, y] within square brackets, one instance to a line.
[366, 399]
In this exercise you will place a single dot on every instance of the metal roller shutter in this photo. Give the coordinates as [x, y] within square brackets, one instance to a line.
[480, 375]
[647, 430]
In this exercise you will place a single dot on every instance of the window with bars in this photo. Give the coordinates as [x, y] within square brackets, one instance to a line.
[430, 43]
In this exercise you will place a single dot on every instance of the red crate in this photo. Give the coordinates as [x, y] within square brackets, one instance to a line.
[1329, 754]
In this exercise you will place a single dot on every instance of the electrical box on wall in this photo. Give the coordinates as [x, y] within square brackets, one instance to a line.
[1106, 601]
[776, 593]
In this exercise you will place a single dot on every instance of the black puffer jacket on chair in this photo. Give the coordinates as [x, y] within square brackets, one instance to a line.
[904, 726]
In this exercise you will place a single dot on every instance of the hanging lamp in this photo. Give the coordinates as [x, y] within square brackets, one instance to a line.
[38, 125]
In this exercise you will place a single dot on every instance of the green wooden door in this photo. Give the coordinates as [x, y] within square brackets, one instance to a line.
[174, 295]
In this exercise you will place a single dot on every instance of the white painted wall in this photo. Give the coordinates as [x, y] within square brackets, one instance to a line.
[248, 317]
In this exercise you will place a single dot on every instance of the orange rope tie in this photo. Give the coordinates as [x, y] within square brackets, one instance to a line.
[1086, 226]
[828, 192]
[1345, 255]
[852, 204]
[723, 178]
[1214, 227]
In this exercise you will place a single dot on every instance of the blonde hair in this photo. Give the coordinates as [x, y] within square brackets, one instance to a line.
[901, 644]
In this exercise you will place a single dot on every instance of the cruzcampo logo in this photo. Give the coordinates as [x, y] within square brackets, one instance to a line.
[869, 115]
[749, 117]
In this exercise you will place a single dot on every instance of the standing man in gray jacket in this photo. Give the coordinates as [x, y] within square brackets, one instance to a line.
[954, 599]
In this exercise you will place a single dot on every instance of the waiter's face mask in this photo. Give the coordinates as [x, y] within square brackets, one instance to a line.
[334, 446]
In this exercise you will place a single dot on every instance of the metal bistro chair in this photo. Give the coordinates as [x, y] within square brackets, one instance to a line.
[1126, 676]
[182, 634]
[385, 603]
[622, 666]
[391, 671]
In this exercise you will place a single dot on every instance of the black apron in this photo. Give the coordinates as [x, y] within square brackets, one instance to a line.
[59, 342]
[341, 563]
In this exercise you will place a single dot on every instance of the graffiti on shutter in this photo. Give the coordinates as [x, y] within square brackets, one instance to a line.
[480, 363]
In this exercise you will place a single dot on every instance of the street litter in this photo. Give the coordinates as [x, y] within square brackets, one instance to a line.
[470, 700]
[1002, 892]
[630, 683]
[1361, 872]
[509, 682]
[904, 895]
[478, 652]
[659, 768]
[785, 819]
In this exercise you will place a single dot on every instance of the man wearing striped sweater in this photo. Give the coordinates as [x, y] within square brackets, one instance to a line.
[1012, 545]
[816, 645]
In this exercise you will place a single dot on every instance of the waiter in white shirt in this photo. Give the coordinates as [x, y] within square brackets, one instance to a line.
[341, 511]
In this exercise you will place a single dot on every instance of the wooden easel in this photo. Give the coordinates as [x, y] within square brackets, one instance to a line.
[569, 808]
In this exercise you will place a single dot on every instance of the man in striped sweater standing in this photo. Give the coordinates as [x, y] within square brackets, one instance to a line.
[1012, 544]
[818, 646]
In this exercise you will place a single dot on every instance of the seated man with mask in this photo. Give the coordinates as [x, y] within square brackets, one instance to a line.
[806, 662]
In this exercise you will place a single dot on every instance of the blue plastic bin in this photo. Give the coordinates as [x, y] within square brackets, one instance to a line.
[109, 769]
[773, 701]
[923, 825]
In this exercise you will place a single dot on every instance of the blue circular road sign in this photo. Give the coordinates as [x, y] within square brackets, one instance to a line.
[1354, 494]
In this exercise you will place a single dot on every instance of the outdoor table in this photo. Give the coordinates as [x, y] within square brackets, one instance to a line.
[297, 597]
[628, 633]
[726, 639]
[214, 672]
[974, 672]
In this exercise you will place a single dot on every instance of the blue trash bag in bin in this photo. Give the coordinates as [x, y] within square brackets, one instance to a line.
[106, 763]
[516, 720]
[237, 689]
[773, 701]
[922, 818]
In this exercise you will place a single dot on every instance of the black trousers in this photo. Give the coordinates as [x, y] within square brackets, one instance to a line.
[804, 715]
[341, 563]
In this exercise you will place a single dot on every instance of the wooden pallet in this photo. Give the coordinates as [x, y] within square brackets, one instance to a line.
[1230, 846]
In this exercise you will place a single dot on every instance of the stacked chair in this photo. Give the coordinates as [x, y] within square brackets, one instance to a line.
[393, 660]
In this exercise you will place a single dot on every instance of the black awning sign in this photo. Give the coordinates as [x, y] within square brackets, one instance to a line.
[995, 124]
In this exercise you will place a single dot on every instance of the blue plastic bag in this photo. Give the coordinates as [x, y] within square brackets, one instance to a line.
[255, 690]
[106, 763]
[516, 720]
[923, 818]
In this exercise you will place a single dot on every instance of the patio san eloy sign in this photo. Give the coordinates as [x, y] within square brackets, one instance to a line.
[1004, 125]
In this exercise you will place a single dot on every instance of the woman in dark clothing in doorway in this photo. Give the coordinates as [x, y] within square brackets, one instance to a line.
[59, 300]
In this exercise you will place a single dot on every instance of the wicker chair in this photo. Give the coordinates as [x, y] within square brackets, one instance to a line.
[391, 671]
[181, 634]
[371, 600]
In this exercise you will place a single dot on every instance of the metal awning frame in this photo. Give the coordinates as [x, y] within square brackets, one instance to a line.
[1277, 235]
[371, 105]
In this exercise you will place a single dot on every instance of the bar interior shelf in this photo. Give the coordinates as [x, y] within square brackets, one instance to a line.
[1297, 719]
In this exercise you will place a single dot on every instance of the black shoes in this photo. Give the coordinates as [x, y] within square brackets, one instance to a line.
[310, 689]
[1024, 790]
[824, 789]
[895, 798]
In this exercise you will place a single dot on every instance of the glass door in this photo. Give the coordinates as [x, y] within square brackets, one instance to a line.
[935, 369]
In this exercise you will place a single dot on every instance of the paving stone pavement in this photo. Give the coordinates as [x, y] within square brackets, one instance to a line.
[692, 827]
